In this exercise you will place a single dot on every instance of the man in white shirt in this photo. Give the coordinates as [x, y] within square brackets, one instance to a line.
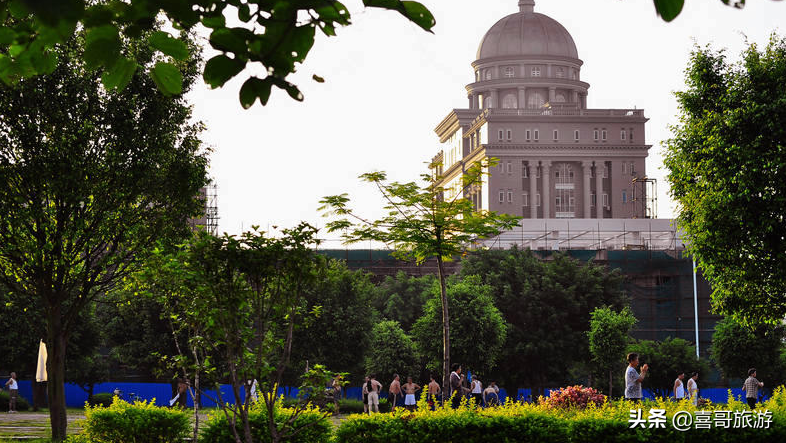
[679, 389]
[13, 391]
[693, 388]
[633, 379]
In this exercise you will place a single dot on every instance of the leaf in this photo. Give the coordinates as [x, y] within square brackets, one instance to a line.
[7, 36]
[168, 45]
[44, 61]
[230, 40]
[102, 46]
[252, 89]
[219, 69]
[168, 78]
[120, 75]
[17, 9]
[668, 9]
[318, 79]
[217, 21]
[419, 14]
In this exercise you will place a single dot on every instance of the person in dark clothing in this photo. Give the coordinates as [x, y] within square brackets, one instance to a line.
[455, 386]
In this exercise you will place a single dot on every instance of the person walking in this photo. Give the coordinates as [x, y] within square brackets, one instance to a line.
[476, 389]
[395, 392]
[373, 387]
[336, 385]
[13, 393]
[633, 379]
[693, 388]
[433, 391]
[409, 389]
[455, 386]
[751, 388]
[679, 388]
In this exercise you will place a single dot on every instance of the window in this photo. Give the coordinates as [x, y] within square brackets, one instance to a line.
[509, 71]
[537, 199]
[528, 134]
[499, 134]
[592, 172]
[624, 196]
[576, 135]
[622, 134]
[560, 72]
[624, 168]
[593, 199]
[488, 74]
[524, 172]
[560, 98]
[535, 135]
[536, 100]
[510, 135]
[556, 135]
[605, 200]
[488, 102]
[595, 134]
[631, 135]
[536, 71]
[510, 196]
[573, 74]
[537, 172]
[558, 201]
[501, 196]
[525, 199]
[509, 102]
[477, 76]
[510, 168]
[605, 171]
[631, 168]
[603, 135]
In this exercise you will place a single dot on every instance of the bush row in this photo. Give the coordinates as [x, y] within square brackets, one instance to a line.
[21, 403]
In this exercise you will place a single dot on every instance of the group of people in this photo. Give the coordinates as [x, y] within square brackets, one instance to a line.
[406, 392]
[681, 389]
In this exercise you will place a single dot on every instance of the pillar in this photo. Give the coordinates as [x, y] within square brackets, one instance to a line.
[599, 189]
[533, 189]
[587, 169]
[545, 193]
[552, 94]
[522, 98]
[495, 99]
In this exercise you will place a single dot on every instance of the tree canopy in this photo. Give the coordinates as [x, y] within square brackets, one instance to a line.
[391, 351]
[736, 348]
[609, 335]
[727, 170]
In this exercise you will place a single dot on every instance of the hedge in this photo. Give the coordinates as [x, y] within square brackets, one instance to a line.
[217, 429]
[21, 403]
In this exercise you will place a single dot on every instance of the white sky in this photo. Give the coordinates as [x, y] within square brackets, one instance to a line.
[388, 84]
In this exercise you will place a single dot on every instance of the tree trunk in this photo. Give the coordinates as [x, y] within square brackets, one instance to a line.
[445, 327]
[55, 368]
[611, 383]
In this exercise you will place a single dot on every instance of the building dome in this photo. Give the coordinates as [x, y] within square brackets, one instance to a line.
[527, 33]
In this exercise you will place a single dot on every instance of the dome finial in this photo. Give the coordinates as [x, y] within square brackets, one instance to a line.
[527, 5]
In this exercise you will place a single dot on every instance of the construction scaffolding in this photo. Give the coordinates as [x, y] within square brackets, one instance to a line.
[211, 208]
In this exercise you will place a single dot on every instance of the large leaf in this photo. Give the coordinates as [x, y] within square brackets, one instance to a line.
[219, 69]
[668, 9]
[252, 89]
[415, 11]
[170, 46]
[120, 74]
[102, 46]
[168, 78]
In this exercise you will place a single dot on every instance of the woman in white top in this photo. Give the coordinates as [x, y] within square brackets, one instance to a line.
[693, 389]
[477, 391]
[679, 388]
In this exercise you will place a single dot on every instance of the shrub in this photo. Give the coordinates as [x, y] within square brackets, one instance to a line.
[101, 399]
[123, 422]
[577, 397]
[217, 428]
[21, 403]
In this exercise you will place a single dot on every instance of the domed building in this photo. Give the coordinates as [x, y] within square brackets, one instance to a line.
[528, 108]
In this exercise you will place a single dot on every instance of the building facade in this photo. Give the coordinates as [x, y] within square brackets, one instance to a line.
[527, 107]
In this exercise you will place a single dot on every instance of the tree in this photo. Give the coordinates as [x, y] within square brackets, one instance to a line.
[91, 184]
[477, 327]
[727, 170]
[666, 360]
[735, 349]
[547, 305]
[402, 298]
[426, 220]
[609, 334]
[391, 351]
[274, 37]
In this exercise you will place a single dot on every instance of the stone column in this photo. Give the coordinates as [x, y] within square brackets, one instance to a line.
[495, 99]
[586, 166]
[471, 98]
[546, 193]
[522, 97]
[599, 188]
[574, 97]
[552, 94]
[533, 189]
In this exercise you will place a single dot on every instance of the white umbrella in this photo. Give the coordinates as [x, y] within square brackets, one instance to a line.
[40, 371]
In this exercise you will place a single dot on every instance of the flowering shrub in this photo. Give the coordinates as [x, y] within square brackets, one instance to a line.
[574, 397]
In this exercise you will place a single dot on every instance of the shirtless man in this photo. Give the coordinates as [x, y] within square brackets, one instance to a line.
[433, 391]
[491, 394]
[373, 387]
[395, 392]
[409, 389]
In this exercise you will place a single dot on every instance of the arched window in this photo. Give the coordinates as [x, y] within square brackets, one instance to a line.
[559, 98]
[488, 102]
[509, 102]
[488, 74]
[536, 100]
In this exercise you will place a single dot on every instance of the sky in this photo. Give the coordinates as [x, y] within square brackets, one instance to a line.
[388, 84]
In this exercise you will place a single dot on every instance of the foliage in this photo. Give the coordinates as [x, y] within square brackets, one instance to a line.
[338, 337]
[314, 424]
[122, 422]
[478, 329]
[91, 183]
[577, 397]
[424, 220]
[608, 337]
[391, 351]
[402, 297]
[735, 349]
[103, 399]
[666, 360]
[727, 171]
[21, 403]
[547, 305]
[273, 36]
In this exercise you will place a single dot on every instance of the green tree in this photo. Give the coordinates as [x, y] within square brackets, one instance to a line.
[391, 351]
[424, 220]
[666, 360]
[736, 348]
[727, 171]
[274, 37]
[609, 335]
[477, 327]
[547, 305]
[91, 184]
[402, 298]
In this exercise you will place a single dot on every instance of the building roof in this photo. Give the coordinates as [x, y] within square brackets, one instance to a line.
[527, 33]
